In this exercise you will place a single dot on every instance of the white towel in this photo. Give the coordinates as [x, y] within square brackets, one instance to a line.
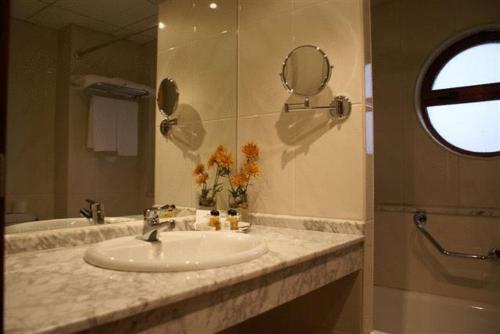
[101, 135]
[113, 126]
[126, 128]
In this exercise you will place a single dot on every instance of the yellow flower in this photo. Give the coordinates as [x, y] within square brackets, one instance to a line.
[202, 178]
[239, 179]
[251, 169]
[251, 150]
[199, 169]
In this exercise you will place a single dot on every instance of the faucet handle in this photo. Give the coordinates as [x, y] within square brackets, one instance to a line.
[151, 213]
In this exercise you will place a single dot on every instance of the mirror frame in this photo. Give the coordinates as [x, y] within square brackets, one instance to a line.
[325, 79]
[174, 107]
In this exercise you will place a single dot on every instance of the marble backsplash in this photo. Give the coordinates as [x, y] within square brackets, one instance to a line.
[71, 237]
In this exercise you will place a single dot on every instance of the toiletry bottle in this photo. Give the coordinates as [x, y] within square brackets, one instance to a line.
[232, 218]
[164, 210]
[171, 211]
[214, 220]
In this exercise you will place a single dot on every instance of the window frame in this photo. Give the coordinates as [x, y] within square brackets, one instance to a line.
[426, 97]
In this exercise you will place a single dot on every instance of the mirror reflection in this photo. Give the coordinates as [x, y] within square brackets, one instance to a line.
[306, 71]
[84, 140]
[81, 114]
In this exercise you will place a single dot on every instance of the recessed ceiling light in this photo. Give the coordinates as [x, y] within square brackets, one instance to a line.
[161, 25]
[213, 5]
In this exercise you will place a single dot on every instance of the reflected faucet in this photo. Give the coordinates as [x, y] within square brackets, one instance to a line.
[152, 225]
[95, 212]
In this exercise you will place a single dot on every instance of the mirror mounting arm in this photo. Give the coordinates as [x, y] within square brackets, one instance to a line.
[339, 108]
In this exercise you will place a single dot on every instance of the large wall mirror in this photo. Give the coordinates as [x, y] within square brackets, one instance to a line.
[75, 140]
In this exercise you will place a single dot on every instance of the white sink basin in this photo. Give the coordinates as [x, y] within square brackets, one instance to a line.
[176, 251]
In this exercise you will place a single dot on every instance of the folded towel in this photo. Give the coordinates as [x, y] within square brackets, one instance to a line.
[126, 128]
[102, 124]
[113, 125]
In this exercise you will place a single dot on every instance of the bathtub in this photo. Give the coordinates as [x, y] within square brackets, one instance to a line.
[407, 312]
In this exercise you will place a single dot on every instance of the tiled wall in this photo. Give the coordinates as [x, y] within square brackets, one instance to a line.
[310, 165]
[411, 169]
[31, 114]
[197, 49]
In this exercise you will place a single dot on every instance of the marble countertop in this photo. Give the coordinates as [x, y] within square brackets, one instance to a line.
[57, 291]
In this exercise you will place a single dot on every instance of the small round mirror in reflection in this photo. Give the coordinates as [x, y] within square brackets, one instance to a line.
[168, 96]
[306, 71]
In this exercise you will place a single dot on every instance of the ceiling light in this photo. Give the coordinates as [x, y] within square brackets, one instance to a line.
[213, 5]
[161, 25]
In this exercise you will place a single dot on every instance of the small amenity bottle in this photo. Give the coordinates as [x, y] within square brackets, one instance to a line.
[214, 220]
[232, 218]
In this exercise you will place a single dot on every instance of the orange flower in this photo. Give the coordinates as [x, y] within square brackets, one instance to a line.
[199, 169]
[251, 169]
[251, 150]
[225, 159]
[239, 179]
[201, 178]
[212, 160]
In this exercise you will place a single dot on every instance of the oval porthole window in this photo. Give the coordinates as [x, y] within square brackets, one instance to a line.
[458, 96]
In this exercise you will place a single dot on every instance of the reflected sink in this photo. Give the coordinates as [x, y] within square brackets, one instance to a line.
[176, 251]
[43, 225]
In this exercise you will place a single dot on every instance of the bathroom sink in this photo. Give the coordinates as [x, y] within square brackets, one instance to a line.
[176, 251]
[43, 225]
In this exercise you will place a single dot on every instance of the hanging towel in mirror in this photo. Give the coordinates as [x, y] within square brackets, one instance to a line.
[127, 128]
[101, 134]
[113, 126]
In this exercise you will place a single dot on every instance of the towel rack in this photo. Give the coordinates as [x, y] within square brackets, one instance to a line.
[420, 220]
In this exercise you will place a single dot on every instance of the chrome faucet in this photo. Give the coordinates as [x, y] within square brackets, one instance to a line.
[96, 212]
[152, 225]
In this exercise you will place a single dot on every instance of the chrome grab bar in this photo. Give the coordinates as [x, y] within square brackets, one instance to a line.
[420, 219]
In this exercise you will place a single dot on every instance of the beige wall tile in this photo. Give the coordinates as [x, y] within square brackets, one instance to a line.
[479, 183]
[335, 27]
[30, 116]
[178, 17]
[176, 64]
[220, 132]
[212, 21]
[172, 172]
[274, 190]
[215, 70]
[435, 172]
[405, 260]
[329, 176]
[253, 12]
[261, 51]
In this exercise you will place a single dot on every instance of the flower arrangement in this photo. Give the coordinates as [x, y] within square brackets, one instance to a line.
[240, 181]
[223, 160]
